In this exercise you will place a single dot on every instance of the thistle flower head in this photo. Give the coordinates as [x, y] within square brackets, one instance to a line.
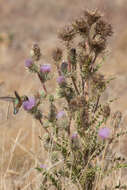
[60, 114]
[29, 104]
[67, 34]
[104, 132]
[103, 28]
[98, 45]
[61, 80]
[28, 63]
[46, 68]
[74, 135]
[43, 166]
[81, 26]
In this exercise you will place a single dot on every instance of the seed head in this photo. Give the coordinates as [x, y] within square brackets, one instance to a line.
[67, 34]
[98, 45]
[35, 52]
[103, 28]
[81, 26]
[92, 16]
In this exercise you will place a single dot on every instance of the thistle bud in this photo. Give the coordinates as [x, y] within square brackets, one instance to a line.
[75, 141]
[57, 54]
[64, 67]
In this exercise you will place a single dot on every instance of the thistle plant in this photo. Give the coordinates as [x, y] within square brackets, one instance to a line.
[79, 127]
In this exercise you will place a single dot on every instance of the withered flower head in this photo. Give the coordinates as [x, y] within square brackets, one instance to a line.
[81, 26]
[92, 16]
[57, 54]
[106, 111]
[103, 28]
[98, 45]
[67, 34]
[35, 52]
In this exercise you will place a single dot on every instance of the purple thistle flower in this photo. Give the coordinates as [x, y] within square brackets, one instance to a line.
[61, 80]
[28, 63]
[104, 132]
[46, 68]
[74, 136]
[60, 114]
[43, 166]
[29, 104]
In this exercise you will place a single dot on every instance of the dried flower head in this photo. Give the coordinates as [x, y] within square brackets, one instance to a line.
[29, 104]
[81, 26]
[104, 132]
[103, 28]
[57, 54]
[35, 52]
[98, 45]
[67, 34]
[92, 16]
